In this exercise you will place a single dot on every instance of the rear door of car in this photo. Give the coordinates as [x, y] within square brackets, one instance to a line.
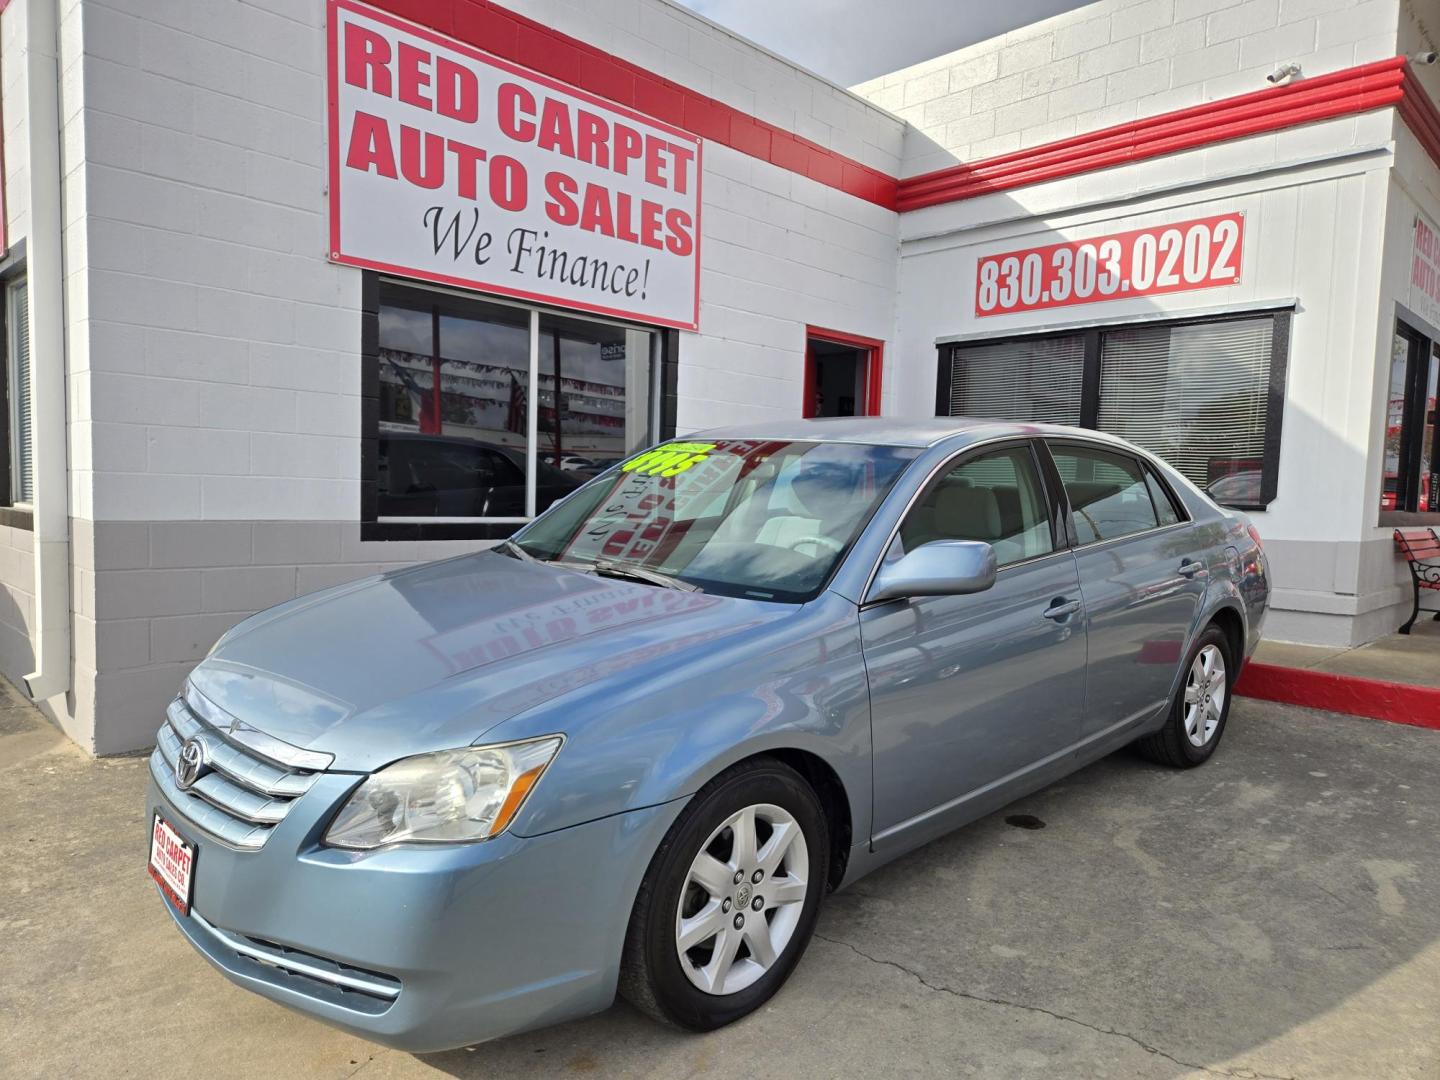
[970, 695]
[1141, 579]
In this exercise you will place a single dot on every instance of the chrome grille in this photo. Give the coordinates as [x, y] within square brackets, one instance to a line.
[245, 794]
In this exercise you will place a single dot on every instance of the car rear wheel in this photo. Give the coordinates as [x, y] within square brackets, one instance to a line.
[1197, 717]
[730, 899]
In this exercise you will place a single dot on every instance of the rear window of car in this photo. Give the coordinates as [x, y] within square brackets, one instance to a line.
[1109, 493]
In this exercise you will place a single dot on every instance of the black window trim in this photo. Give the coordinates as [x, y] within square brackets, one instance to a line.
[371, 527]
[1423, 341]
[1141, 462]
[1282, 314]
[12, 269]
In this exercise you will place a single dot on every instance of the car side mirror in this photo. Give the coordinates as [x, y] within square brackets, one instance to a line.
[939, 568]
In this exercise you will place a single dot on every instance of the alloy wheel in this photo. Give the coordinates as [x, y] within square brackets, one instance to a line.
[1205, 690]
[742, 899]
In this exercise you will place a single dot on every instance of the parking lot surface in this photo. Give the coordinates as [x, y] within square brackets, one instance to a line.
[1273, 914]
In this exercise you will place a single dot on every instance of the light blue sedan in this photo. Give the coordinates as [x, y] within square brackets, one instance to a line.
[637, 744]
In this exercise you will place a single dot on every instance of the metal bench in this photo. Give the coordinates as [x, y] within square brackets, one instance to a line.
[1421, 550]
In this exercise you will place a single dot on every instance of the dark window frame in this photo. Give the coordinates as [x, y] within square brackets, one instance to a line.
[12, 268]
[1421, 349]
[1092, 335]
[371, 527]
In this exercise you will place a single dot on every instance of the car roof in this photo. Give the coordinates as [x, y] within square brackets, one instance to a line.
[891, 431]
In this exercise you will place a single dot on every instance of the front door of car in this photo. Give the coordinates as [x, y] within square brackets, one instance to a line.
[971, 694]
[1139, 577]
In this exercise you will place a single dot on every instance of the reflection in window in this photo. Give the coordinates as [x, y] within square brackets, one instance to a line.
[1412, 471]
[1108, 496]
[996, 498]
[455, 399]
[1195, 395]
[593, 396]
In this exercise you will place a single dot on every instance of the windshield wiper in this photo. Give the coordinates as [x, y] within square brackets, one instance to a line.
[639, 573]
[515, 551]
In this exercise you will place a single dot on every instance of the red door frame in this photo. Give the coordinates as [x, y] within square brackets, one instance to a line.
[874, 367]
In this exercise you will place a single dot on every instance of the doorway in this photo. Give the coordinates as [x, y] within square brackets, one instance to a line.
[842, 374]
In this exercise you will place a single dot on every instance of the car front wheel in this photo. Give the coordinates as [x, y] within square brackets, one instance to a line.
[730, 899]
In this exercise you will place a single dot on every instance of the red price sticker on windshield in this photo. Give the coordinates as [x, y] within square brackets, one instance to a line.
[1200, 254]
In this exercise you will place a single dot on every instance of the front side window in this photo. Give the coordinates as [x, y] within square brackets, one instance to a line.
[1109, 497]
[767, 520]
[492, 412]
[17, 321]
[995, 497]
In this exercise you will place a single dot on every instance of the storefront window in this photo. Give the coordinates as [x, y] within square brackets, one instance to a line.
[1031, 379]
[1203, 394]
[456, 439]
[1194, 395]
[1412, 469]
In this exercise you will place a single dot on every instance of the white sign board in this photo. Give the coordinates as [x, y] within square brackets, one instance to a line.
[454, 166]
[1425, 271]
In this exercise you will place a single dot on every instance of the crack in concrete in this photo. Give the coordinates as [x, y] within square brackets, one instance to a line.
[1239, 1074]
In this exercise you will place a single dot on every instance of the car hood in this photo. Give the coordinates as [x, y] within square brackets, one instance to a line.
[434, 656]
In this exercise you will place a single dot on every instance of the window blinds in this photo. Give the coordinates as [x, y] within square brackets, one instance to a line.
[1194, 395]
[24, 473]
[1027, 379]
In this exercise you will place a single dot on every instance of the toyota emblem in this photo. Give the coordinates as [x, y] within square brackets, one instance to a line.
[191, 765]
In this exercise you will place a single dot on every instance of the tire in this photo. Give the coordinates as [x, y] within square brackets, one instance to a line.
[1177, 744]
[670, 985]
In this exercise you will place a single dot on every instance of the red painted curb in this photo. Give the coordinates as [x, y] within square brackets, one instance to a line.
[1397, 703]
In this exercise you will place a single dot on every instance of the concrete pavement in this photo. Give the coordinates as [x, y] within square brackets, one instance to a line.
[1271, 914]
[1412, 658]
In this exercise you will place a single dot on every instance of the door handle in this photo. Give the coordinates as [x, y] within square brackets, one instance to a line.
[1190, 568]
[1060, 609]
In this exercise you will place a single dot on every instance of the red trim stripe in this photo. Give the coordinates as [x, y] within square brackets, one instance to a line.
[1398, 703]
[1420, 114]
[503, 33]
[1355, 90]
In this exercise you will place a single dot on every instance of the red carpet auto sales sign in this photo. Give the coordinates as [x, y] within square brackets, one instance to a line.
[455, 166]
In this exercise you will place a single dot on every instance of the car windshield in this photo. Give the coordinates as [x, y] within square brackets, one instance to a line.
[762, 519]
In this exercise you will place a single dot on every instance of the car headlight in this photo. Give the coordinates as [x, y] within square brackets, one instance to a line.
[449, 797]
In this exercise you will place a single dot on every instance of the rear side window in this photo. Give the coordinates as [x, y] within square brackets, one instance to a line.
[995, 497]
[1164, 505]
[1109, 496]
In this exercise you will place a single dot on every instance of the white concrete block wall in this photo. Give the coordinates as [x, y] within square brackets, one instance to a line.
[224, 381]
[1119, 60]
[216, 375]
[1311, 234]
[14, 94]
[779, 252]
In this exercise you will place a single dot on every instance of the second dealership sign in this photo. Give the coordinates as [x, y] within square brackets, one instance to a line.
[1199, 254]
[452, 165]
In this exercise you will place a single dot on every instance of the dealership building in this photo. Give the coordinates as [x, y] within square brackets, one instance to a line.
[296, 291]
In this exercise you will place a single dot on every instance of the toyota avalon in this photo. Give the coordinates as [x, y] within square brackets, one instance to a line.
[633, 747]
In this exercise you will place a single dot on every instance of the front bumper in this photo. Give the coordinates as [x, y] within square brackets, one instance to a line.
[420, 948]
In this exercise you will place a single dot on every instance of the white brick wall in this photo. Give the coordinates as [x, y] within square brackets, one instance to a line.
[224, 348]
[1117, 60]
[215, 369]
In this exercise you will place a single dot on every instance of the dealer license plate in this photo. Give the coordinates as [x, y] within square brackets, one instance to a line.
[172, 863]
